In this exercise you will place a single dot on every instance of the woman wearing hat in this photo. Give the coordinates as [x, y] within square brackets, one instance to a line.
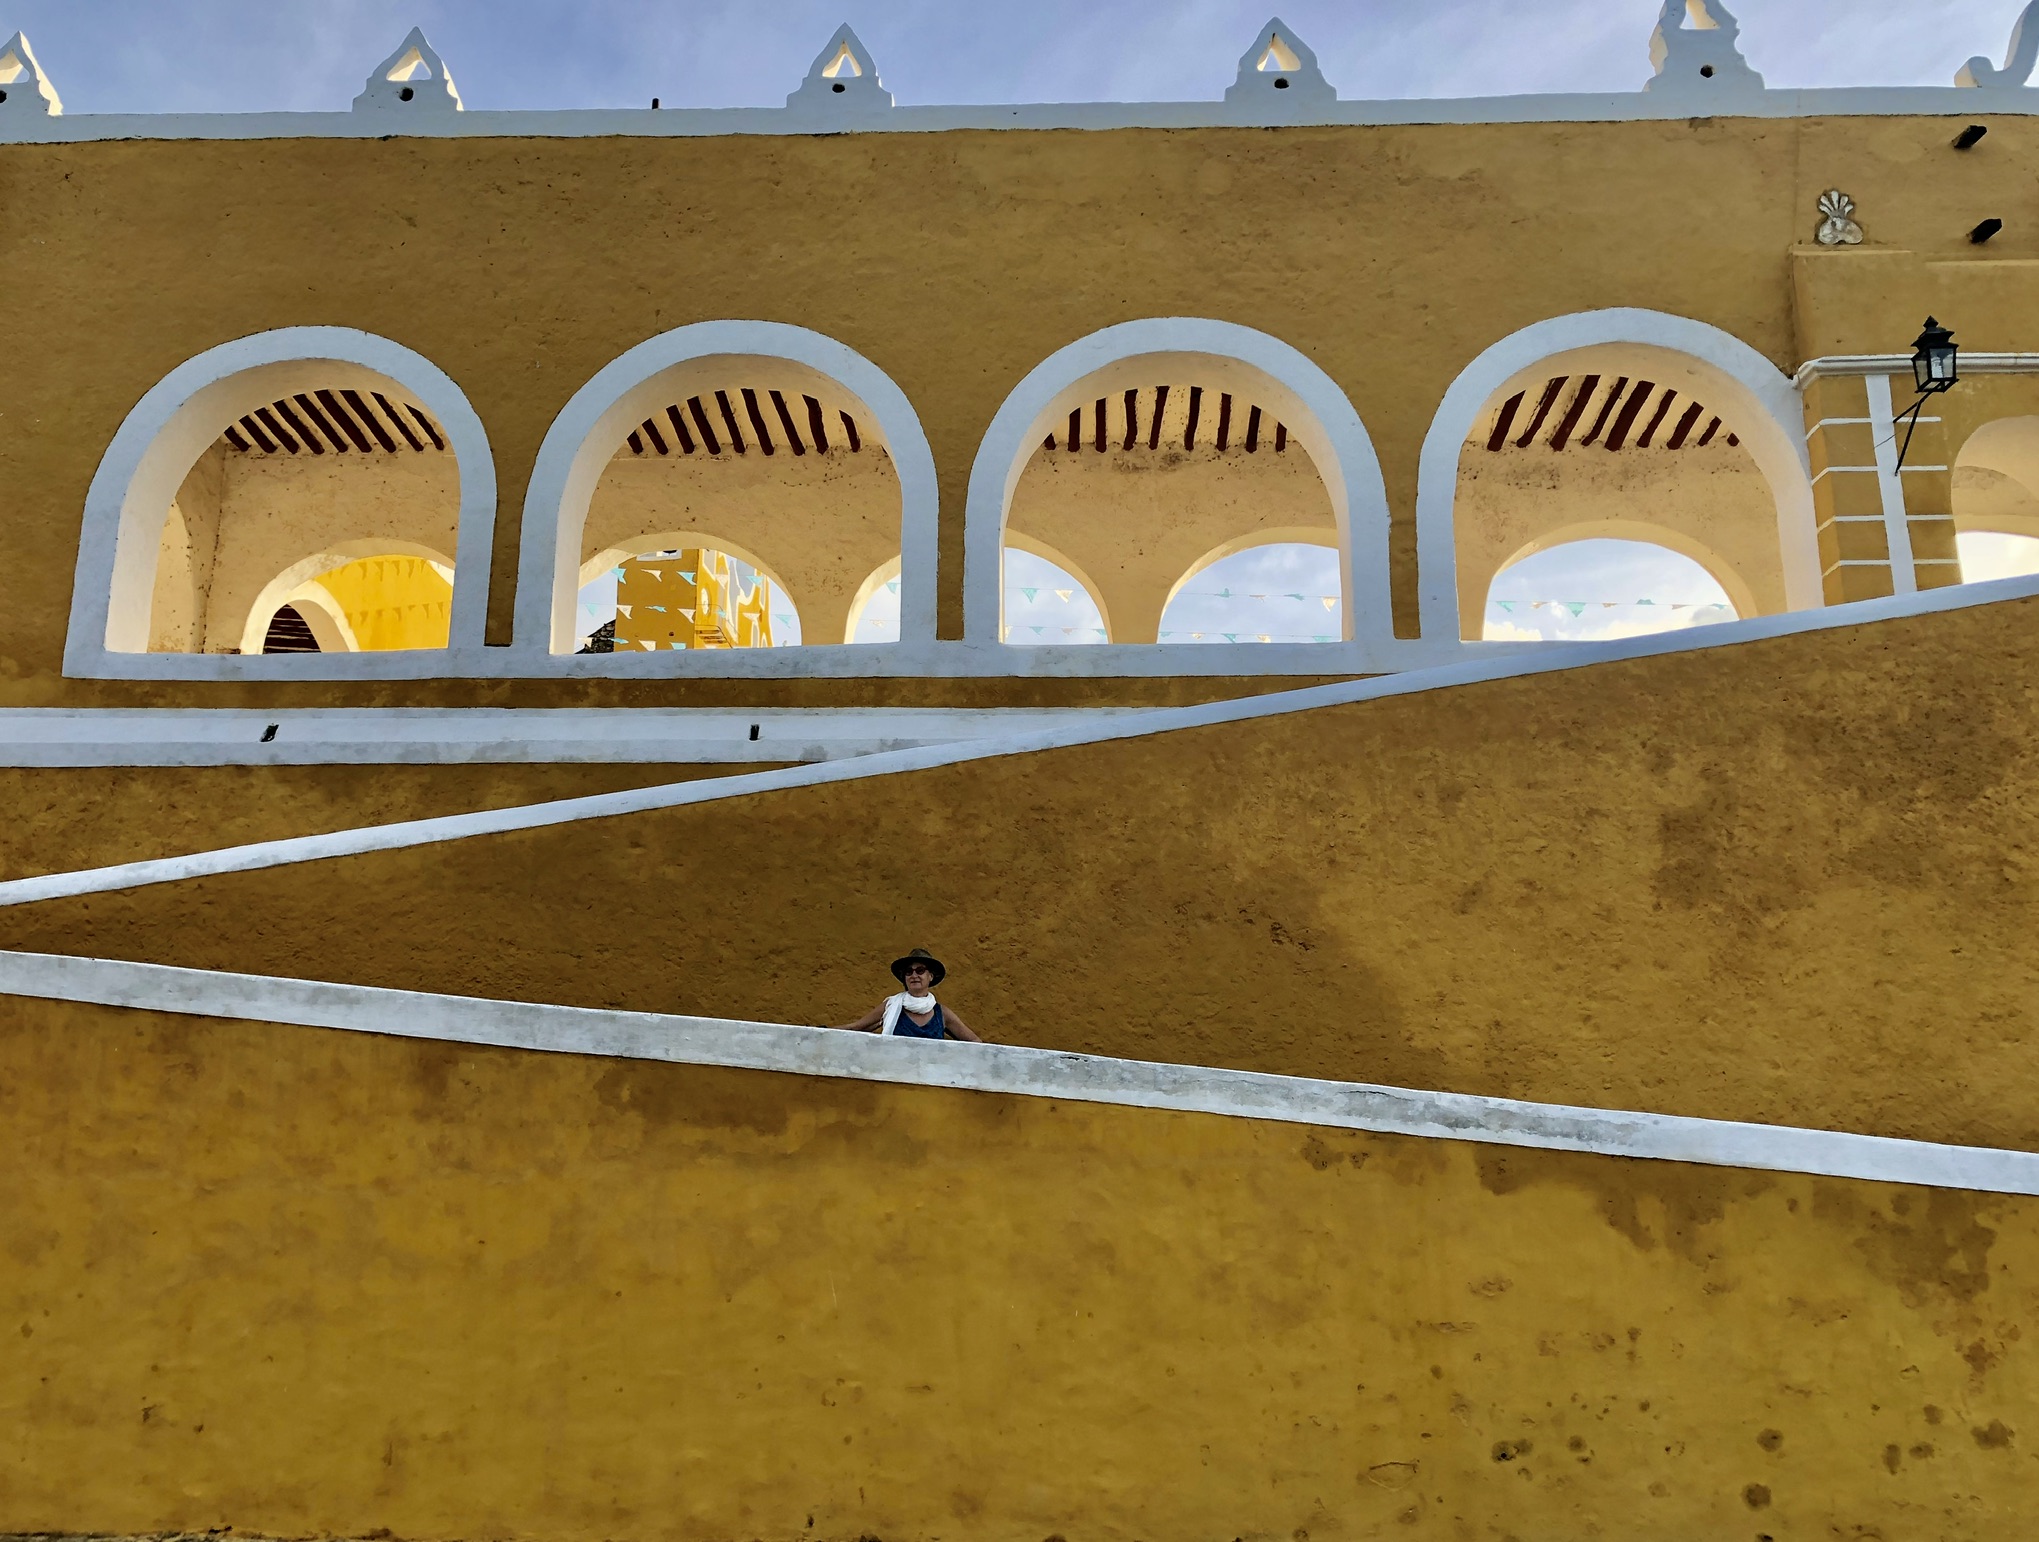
[914, 1013]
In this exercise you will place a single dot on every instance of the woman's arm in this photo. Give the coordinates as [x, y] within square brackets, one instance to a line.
[864, 1024]
[958, 1029]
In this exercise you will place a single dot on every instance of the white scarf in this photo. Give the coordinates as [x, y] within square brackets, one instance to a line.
[904, 1002]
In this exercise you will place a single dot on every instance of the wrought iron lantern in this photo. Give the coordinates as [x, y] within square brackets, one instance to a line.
[1934, 358]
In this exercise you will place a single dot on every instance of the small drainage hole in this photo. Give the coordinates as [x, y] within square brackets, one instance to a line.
[753, 731]
[3, 96]
[1706, 70]
[269, 733]
[406, 94]
[1280, 84]
[838, 87]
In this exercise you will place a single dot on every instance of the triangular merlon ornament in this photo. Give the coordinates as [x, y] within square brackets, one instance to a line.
[2019, 57]
[413, 79]
[24, 88]
[843, 78]
[1279, 68]
[1693, 50]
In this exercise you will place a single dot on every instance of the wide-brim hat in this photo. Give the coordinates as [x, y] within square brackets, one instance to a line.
[919, 956]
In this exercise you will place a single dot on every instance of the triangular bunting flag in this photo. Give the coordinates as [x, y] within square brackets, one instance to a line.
[1575, 606]
[1030, 593]
[1063, 595]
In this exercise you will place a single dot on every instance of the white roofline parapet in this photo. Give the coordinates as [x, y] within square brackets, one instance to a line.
[1694, 52]
[1255, 111]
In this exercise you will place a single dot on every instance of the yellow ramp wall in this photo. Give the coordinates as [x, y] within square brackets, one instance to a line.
[300, 1282]
[1791, 881]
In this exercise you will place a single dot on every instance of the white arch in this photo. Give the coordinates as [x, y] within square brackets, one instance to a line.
[1235, 358]
[173, 424]
[321, 613]
[1750, 393]
[882, 574]
[278, 591]
[677, 364]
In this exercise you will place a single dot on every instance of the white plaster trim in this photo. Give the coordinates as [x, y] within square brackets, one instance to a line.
[1494, 665]
[591, 426]
[1904, 578]
[439, 736]
[1283, 381]
[696, 122]
[1901, 364]
[1754, 394]
[1015, 1071]
[163, 436]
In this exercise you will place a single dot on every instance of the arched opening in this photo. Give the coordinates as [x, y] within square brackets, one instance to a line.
[874, 614]
[1049, 601]
[787, 453]
[1988, 554]
[1277, 591]
[678, 591]
[1594, 589]
[358, 469]
[1620, 424]
[1996, 494]
[1603, 447]
[363, 596]
[260, 466]
[1137, 451]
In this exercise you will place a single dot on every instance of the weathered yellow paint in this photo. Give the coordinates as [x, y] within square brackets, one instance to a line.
[1790, 881]
[306, 1283]
[1390, 255]
[92, 816]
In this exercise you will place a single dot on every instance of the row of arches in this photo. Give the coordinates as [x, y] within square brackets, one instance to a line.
[346, 479]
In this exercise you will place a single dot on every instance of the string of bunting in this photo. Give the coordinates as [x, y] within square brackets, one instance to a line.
[1580, 607]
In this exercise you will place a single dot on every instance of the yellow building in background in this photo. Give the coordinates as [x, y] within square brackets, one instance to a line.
[690, 599]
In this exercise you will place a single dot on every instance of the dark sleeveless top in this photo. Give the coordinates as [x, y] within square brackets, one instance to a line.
[906, 1029]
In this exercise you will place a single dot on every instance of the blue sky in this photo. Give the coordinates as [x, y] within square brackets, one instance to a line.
[252, 55]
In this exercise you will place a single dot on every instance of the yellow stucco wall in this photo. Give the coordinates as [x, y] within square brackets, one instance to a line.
[1791, 881]
[61, 820]
[306, 1283]
[1390, 255]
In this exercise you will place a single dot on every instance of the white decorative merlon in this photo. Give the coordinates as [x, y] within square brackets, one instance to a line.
[413, 79]
[24, 88]
[1279, 69]
[2019, 57]
[843, 78]
[1837, 220]
[1693, 49]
